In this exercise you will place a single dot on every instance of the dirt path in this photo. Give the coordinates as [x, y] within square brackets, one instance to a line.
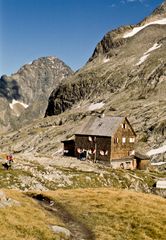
[79, 230]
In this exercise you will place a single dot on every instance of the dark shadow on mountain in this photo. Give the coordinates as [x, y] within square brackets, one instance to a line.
[9, 89]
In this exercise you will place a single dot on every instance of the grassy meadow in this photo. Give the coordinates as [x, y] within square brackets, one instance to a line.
[110, 214]
[115, 214]
[27, 221]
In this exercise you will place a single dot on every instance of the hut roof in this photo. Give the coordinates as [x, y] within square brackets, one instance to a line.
[101, 126]
[140, 155]
[68, 141]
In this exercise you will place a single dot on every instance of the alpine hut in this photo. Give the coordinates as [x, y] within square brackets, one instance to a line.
[107, 139]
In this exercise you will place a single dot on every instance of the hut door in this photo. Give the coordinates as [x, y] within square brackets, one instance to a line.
[138, 164]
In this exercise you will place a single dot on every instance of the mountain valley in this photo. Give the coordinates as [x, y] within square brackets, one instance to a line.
[45, 102]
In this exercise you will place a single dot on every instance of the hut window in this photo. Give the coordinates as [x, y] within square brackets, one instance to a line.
[90, 139]
[66, 151]
[123, 140]
[131, 140]
[90, 151]
[94, 139]
[102, 153]
[123, 125]
[115, 140]
[79, 150]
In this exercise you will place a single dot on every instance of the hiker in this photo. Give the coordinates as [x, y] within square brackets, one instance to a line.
[9, 161]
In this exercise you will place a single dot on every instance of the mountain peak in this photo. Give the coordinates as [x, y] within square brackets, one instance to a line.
[159, 13]
[161, 10]
[25, 93]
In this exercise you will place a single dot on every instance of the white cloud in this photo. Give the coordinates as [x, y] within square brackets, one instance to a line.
[141, 1]
[132, 1]
[122, 2]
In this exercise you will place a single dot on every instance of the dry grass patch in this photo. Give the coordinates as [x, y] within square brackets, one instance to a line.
[115, 214]
[27, 221]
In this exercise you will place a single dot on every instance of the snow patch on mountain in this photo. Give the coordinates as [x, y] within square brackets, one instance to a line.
[147, 53]
[95, 106]
[137, 29]
[155, 46]
[142, 59]
[17, 107]
[157, 151]
[158, 163]
[14, 102]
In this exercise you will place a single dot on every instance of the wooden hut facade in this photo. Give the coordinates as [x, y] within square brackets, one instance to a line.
[109, 140]
[105, 138]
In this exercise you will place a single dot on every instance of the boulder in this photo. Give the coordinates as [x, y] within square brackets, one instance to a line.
[63, 232]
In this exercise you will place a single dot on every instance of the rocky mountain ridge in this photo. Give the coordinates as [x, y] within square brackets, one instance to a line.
[24, 94]
[127, 75]
[129, 80]
[115, 38]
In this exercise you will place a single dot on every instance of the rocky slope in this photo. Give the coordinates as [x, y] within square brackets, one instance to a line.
[24, 95]
[129, 79]
[39, 172]
[126, 75]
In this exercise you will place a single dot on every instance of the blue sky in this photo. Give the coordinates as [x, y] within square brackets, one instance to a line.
[67, 29]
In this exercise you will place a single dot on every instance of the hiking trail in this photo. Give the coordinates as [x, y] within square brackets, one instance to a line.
[78, 230]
